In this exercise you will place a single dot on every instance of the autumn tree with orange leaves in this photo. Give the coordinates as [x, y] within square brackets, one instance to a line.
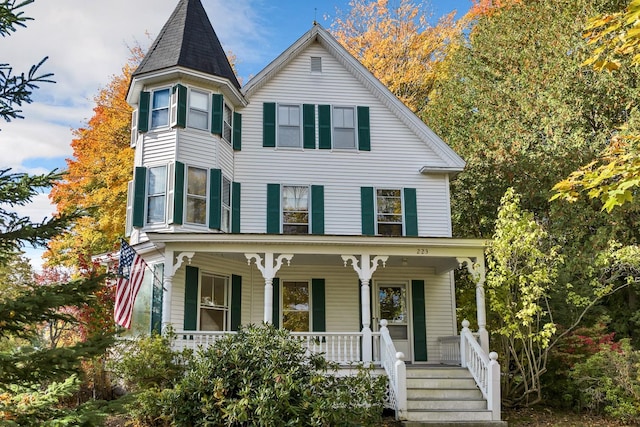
[398, 44]
[98, 173]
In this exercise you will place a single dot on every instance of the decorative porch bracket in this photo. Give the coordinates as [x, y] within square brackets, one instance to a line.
[170, 271]
[365, 269]
[477, 271]
[269, 271]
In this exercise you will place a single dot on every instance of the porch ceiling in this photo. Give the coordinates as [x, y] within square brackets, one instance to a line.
[438, 253]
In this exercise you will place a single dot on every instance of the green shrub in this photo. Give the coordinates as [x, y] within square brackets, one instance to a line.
[262, 376]
[148, 363]
[609, 381]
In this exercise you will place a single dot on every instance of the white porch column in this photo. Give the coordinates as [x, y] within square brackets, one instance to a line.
[169, 271]
[269, 269]
[477, 271]
[365, 269]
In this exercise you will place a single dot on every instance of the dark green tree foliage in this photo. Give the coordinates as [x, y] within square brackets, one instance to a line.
[16, 89]
[516, 103]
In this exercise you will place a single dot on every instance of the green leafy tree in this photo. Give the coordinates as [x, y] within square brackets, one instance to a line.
[523, 266]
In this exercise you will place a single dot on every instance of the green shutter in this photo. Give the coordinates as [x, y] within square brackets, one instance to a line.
[156, 299]
[324, 126]
[139, 196]
[191, 298]
[276, 302]
[419, 321]
[273, 208]
[236, 301]
[309, 126]
[364, 134]
[317, 209]
[318, 305]
[181, 114]
[237, 131]
[410, 212]
[143, 111]
[235, 207]
[178, 193]
[215, 199]
[217, 108]
[269, 124]
[368, 211]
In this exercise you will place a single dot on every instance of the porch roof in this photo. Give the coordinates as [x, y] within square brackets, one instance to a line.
[440, 253]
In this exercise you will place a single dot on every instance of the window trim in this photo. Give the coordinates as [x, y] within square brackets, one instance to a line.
[401, 214]
[282, 209]
[167, 107]
[207, 97]
[227, 299]
[354, 129]
[148, 195]
[299, 127]
[204, 197]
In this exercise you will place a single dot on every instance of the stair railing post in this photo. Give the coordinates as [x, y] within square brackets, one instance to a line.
[401, 383]
[463, 344]
[493, 387]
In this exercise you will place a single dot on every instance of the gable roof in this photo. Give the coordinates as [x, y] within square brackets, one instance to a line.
[451, 161]
[188, 40]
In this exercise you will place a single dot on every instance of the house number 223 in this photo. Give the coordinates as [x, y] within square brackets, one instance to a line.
[422, 251]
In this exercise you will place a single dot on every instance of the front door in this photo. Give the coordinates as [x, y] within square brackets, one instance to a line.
[391, 304]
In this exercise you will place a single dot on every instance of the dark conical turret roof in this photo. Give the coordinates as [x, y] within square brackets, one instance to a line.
[188, 40]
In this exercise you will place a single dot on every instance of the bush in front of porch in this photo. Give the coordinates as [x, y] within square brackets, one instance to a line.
[262, 376]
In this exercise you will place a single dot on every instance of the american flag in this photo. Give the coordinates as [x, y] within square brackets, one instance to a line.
[130, 275]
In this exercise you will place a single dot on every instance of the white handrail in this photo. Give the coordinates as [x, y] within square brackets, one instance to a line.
[393, 363]
[484, 369]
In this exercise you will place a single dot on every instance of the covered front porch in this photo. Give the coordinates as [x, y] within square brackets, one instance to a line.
[356, 299]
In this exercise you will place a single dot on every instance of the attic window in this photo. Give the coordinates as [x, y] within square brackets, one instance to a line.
[316, 64]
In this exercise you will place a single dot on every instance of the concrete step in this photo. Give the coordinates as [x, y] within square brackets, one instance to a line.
[438, 382]
[446, 404]
[444, 415]
[444, 393]
[444, 371]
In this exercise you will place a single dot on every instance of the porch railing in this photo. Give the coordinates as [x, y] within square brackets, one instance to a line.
[484, 368]
[393, 363]
[344, 348]
[341, 347]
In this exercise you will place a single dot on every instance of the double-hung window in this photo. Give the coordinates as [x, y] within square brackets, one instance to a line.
[160, 108]
[226, 204]
[196, 195]
[295, 306]
[389, 212]
[344, 127]
[289, 129]
[226, 123]
[214, 302]
[295, 209]
[198, 110]
[156, 194]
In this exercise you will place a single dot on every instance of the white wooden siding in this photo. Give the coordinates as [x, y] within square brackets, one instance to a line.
[341, 293]
[158, 147]
[394, 161]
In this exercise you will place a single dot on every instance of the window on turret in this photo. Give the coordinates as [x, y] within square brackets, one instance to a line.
[156, 194]
[226, 204]
[196, 196]
[160, 108]
[198, 110]
[226, 131]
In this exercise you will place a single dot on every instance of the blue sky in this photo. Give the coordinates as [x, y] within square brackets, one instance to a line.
[88, 42]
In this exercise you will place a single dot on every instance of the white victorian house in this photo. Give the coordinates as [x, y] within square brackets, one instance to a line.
[312, 199]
